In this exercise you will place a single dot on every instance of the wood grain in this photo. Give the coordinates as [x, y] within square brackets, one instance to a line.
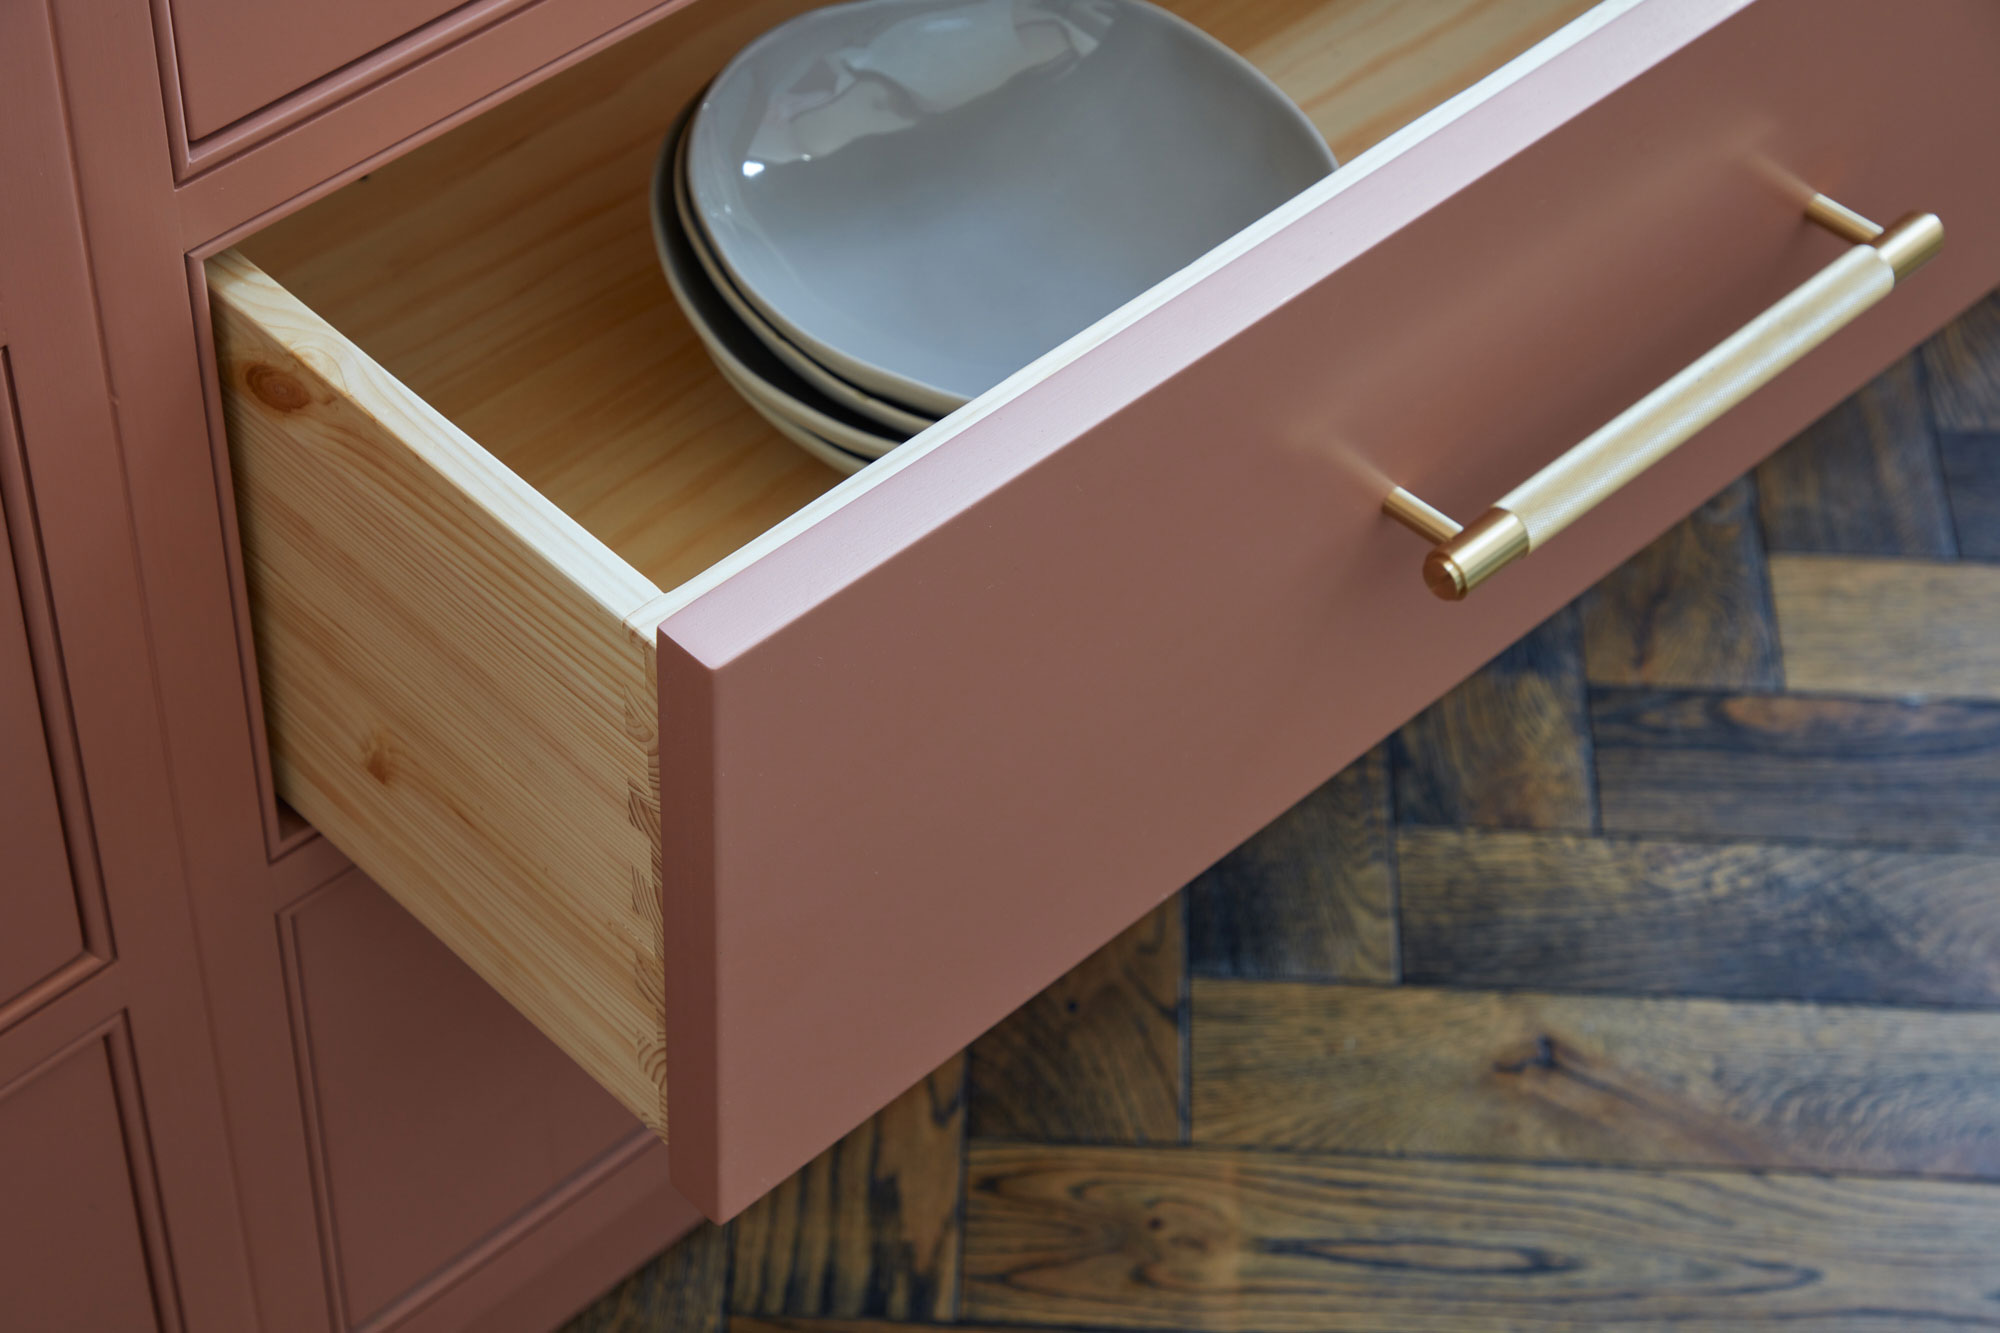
[681, 1291]
[869, 1228]
[1602, 1079]
[1782, 766]
[1736, 920]
[1224, 1241]
[1097, 1055]
[1312, 896]
[1509, 747]
[757, 1323]
[1888, 627]
[1962, 370]
[452, 691]
[1972, 480]
[1863, 479]
[1692, 609]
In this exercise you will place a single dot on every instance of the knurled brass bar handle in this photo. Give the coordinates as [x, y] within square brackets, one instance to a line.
[1526, 517]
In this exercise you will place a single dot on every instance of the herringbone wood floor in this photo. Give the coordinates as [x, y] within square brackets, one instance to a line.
[1652, 978]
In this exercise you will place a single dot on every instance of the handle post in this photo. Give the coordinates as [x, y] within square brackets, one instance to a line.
[1599, 466]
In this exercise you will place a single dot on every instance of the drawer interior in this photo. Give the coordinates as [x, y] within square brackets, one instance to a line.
[479, 456]
[505, 271]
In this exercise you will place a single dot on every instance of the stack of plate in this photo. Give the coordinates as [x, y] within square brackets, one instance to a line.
[880, 210]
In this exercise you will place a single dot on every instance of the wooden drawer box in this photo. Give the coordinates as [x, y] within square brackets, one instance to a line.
[761, 794]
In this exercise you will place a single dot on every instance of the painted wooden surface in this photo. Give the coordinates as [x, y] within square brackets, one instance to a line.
[1072, 508]
[234, 57]
[470, 59]
[118, 1207]
[1778, 1138]
[74, 1256]
[44, 929]
[440, 1114]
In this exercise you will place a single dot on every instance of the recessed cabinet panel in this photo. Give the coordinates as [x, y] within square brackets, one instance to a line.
[238, 56]
[63, 1164]
[41, 930]
[442, 1114]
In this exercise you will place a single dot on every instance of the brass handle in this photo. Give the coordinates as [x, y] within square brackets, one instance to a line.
[1570, 487]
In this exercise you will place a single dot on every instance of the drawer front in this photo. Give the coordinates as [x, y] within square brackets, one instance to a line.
[923, 754]
[761, 850]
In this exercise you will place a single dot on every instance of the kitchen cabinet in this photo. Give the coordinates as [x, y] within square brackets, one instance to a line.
[63, 1162]
[44, 930]
[557, 761]
[856, 747]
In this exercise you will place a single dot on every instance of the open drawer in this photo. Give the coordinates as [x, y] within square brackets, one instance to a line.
[761, 794]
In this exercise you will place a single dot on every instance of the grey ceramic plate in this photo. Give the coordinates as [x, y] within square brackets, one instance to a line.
[926, 195]
[895, 417]
[826, 451]
[749, 365]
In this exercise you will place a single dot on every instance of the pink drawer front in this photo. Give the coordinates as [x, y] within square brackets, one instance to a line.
[928, 736]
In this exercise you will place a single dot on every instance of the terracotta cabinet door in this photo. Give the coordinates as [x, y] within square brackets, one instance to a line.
[236, 57]
[442, 1124]
[42, 930]
[63, 1165]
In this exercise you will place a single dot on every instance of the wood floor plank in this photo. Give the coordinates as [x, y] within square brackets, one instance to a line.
[1727, 920]
[1863, 479]
[1096, 1056]
[762, 1324]
[759, 1323]
[1598, 1079]
[1962, 370]
[1509, 747]
[1221, 1241]
[1779, 766]
[1310, 897]
[1692, 609]
[1888, 627]
[680, 1291]
[870, 1227]
[1972, 480]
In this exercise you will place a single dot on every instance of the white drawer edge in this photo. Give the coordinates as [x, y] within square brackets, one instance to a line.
[1696, 17]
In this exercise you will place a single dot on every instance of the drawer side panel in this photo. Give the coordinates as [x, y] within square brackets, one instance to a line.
[451, 692]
